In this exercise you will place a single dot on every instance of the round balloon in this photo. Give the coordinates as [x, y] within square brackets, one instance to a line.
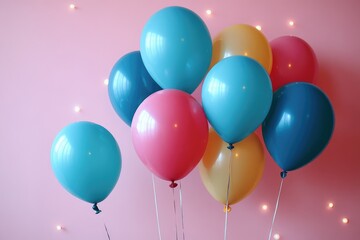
[176, 48]
[293, 61]
[170, 132]
[129, 84]
[245, 40]
[236, 97]
[245, 164]
[299, 125]
[86, 160]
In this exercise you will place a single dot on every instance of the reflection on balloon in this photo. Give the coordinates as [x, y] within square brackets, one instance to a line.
[247, 164]
[245, 40]
[86, 160]
[236, 97]
[170, 133]
[293, 61]
[176, 48]
[129, 84]
[299, 125]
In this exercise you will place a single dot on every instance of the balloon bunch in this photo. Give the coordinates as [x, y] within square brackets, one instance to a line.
[151, 89]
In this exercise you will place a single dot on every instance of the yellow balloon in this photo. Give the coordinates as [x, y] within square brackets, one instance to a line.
[245, 40]
[247, 166]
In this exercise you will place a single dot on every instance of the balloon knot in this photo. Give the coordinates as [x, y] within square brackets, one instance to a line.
[96, 209]
[230, 147]
[227, 208]
[173, 184]
[283, 174]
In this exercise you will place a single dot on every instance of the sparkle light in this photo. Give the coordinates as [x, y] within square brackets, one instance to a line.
[208, 12]
[72, 6]
[77, 108]
[276, 236]
[59, 227]
[258, 27]
[345, 220]
[291, 23]
[106, 81]
[330, 205]
[264, 207]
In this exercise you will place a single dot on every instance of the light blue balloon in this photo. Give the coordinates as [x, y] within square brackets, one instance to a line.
[176, 48]
[86, 160]
[236, 97]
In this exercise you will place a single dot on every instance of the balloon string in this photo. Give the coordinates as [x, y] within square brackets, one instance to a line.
[156, 207]
[182, 212]
[107, 232]
[276, 208]
[230, 147]
[176, 228]
[106, 229]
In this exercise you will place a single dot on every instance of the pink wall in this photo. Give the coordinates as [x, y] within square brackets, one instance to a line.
[52, 58]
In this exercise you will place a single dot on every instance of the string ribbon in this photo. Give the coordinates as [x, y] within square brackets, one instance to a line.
[156, 207]
[283, 174]
[227, 208]
[182, 212]
[176, 228]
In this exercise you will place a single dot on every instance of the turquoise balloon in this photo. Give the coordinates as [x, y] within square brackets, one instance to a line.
[86, 160]
[236, 97]
[176, 48]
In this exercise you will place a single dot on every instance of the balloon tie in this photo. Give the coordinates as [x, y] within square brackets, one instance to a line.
[176, 228]
[230, 146]
[173, 184]
[283, 175]
[182, 211]
[96, 208]
[156, 206]
[227, 193]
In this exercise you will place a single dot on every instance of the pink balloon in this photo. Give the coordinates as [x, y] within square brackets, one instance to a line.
[293, 61]
[170, 133]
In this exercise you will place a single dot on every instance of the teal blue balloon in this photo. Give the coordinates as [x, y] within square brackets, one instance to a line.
[176, 48]
[129, 85]
[236, 97]
[86, 160]
[299, 125]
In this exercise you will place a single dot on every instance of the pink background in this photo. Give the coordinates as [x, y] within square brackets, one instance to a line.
[53, 58]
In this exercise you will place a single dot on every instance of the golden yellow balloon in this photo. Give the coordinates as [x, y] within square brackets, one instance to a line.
[245, 40]
[247, 166]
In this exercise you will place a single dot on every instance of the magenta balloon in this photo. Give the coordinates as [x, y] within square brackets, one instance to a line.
[293, 61]
[170, 133]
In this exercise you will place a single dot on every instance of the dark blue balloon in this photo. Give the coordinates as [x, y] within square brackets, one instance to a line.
[129, 85]
[298, 126]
